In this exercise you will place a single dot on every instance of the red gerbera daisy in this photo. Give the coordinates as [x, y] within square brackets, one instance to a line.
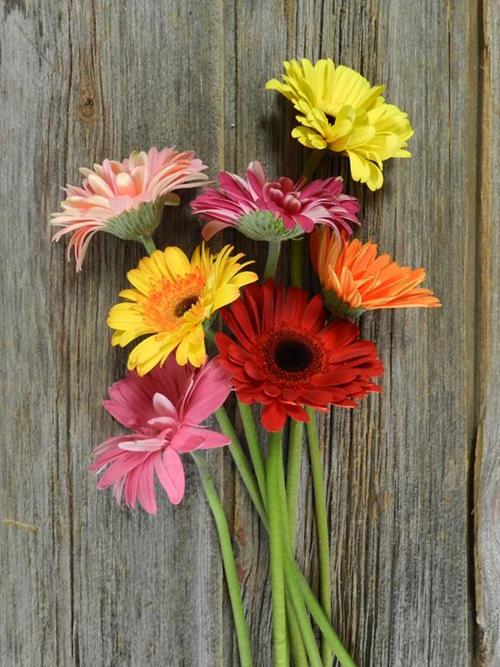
[285, 356]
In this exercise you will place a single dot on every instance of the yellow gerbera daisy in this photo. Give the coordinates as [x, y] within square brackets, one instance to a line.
[341, 111]
[172, 298]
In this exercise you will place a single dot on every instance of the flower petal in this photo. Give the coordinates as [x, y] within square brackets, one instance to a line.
[170, 472]
[210, 389]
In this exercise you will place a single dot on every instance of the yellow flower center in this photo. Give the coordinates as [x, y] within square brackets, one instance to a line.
[169, 301]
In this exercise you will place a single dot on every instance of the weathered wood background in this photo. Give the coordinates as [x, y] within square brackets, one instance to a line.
[413, 475]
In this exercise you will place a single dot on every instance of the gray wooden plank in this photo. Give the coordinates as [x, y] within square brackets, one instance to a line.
[399, 466]
[398, 474]
[95, 584]
[487, 472]
[251, 133]
[35, 614]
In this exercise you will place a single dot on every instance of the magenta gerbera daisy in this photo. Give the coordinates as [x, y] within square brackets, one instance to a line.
[267, 210]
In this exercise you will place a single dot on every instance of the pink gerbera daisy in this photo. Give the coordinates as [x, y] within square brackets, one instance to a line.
[126, 198]
[274, 210]
[164, 409]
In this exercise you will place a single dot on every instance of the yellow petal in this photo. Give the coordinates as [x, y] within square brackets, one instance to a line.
[309, 138]
[175, 262]
[225, 295]
[245, 278]
[148, 354]
[129, 294]
[125, 315]
[359, 167]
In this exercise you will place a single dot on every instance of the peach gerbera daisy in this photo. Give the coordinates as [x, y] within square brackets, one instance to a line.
[126, 198]
[173, 297]
[355, 278]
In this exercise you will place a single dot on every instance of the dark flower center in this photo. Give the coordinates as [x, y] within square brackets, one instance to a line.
[293, 356]
[185, 305]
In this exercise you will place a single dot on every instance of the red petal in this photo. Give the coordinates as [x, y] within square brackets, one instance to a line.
[297, 412]
[337, 376]
[315, 396]
[267, 302]
[273, 417]
[254, 371]
[272, 390]
[315, 314]
[340, 334]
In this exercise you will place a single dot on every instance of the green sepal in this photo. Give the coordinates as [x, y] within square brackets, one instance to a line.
[137, 223]
[265, 226]
[339, 307]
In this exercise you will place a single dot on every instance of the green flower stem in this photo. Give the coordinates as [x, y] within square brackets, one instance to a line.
[273, 255]
[305, 634]
[255, 449]
[297, 262]
[241, 462]
[254, 446]
[148, 243]
[233, 585]
[321, 525]
[293, 590]
[292, 570]
[276, 552]
[319, 616]
[209, 334]
[297, 278]
[295, 636]
[312, 163]
[293, 477]
[297, 246]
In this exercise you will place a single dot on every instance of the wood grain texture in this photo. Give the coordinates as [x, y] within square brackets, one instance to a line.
[415, 575]
[487, 469]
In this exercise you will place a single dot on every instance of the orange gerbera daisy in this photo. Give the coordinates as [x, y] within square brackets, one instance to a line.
[355, 278]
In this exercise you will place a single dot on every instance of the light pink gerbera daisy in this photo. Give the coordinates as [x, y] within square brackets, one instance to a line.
[274, 210]
[164, 409]
[126, 198]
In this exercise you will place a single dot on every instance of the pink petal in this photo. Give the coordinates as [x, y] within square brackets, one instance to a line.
[187, 439]
[131, 400]
[164, 422]
[256, 177]
[108, 449]
[211, 228]
[131, 486]
[122, 466]
[214, 439]
[146, 490]
[190, 438]
[164, 406]
[170, 472]
[142, 445]
[210, 389]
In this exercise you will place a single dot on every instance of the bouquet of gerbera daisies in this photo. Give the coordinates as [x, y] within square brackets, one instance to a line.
[209, 325]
